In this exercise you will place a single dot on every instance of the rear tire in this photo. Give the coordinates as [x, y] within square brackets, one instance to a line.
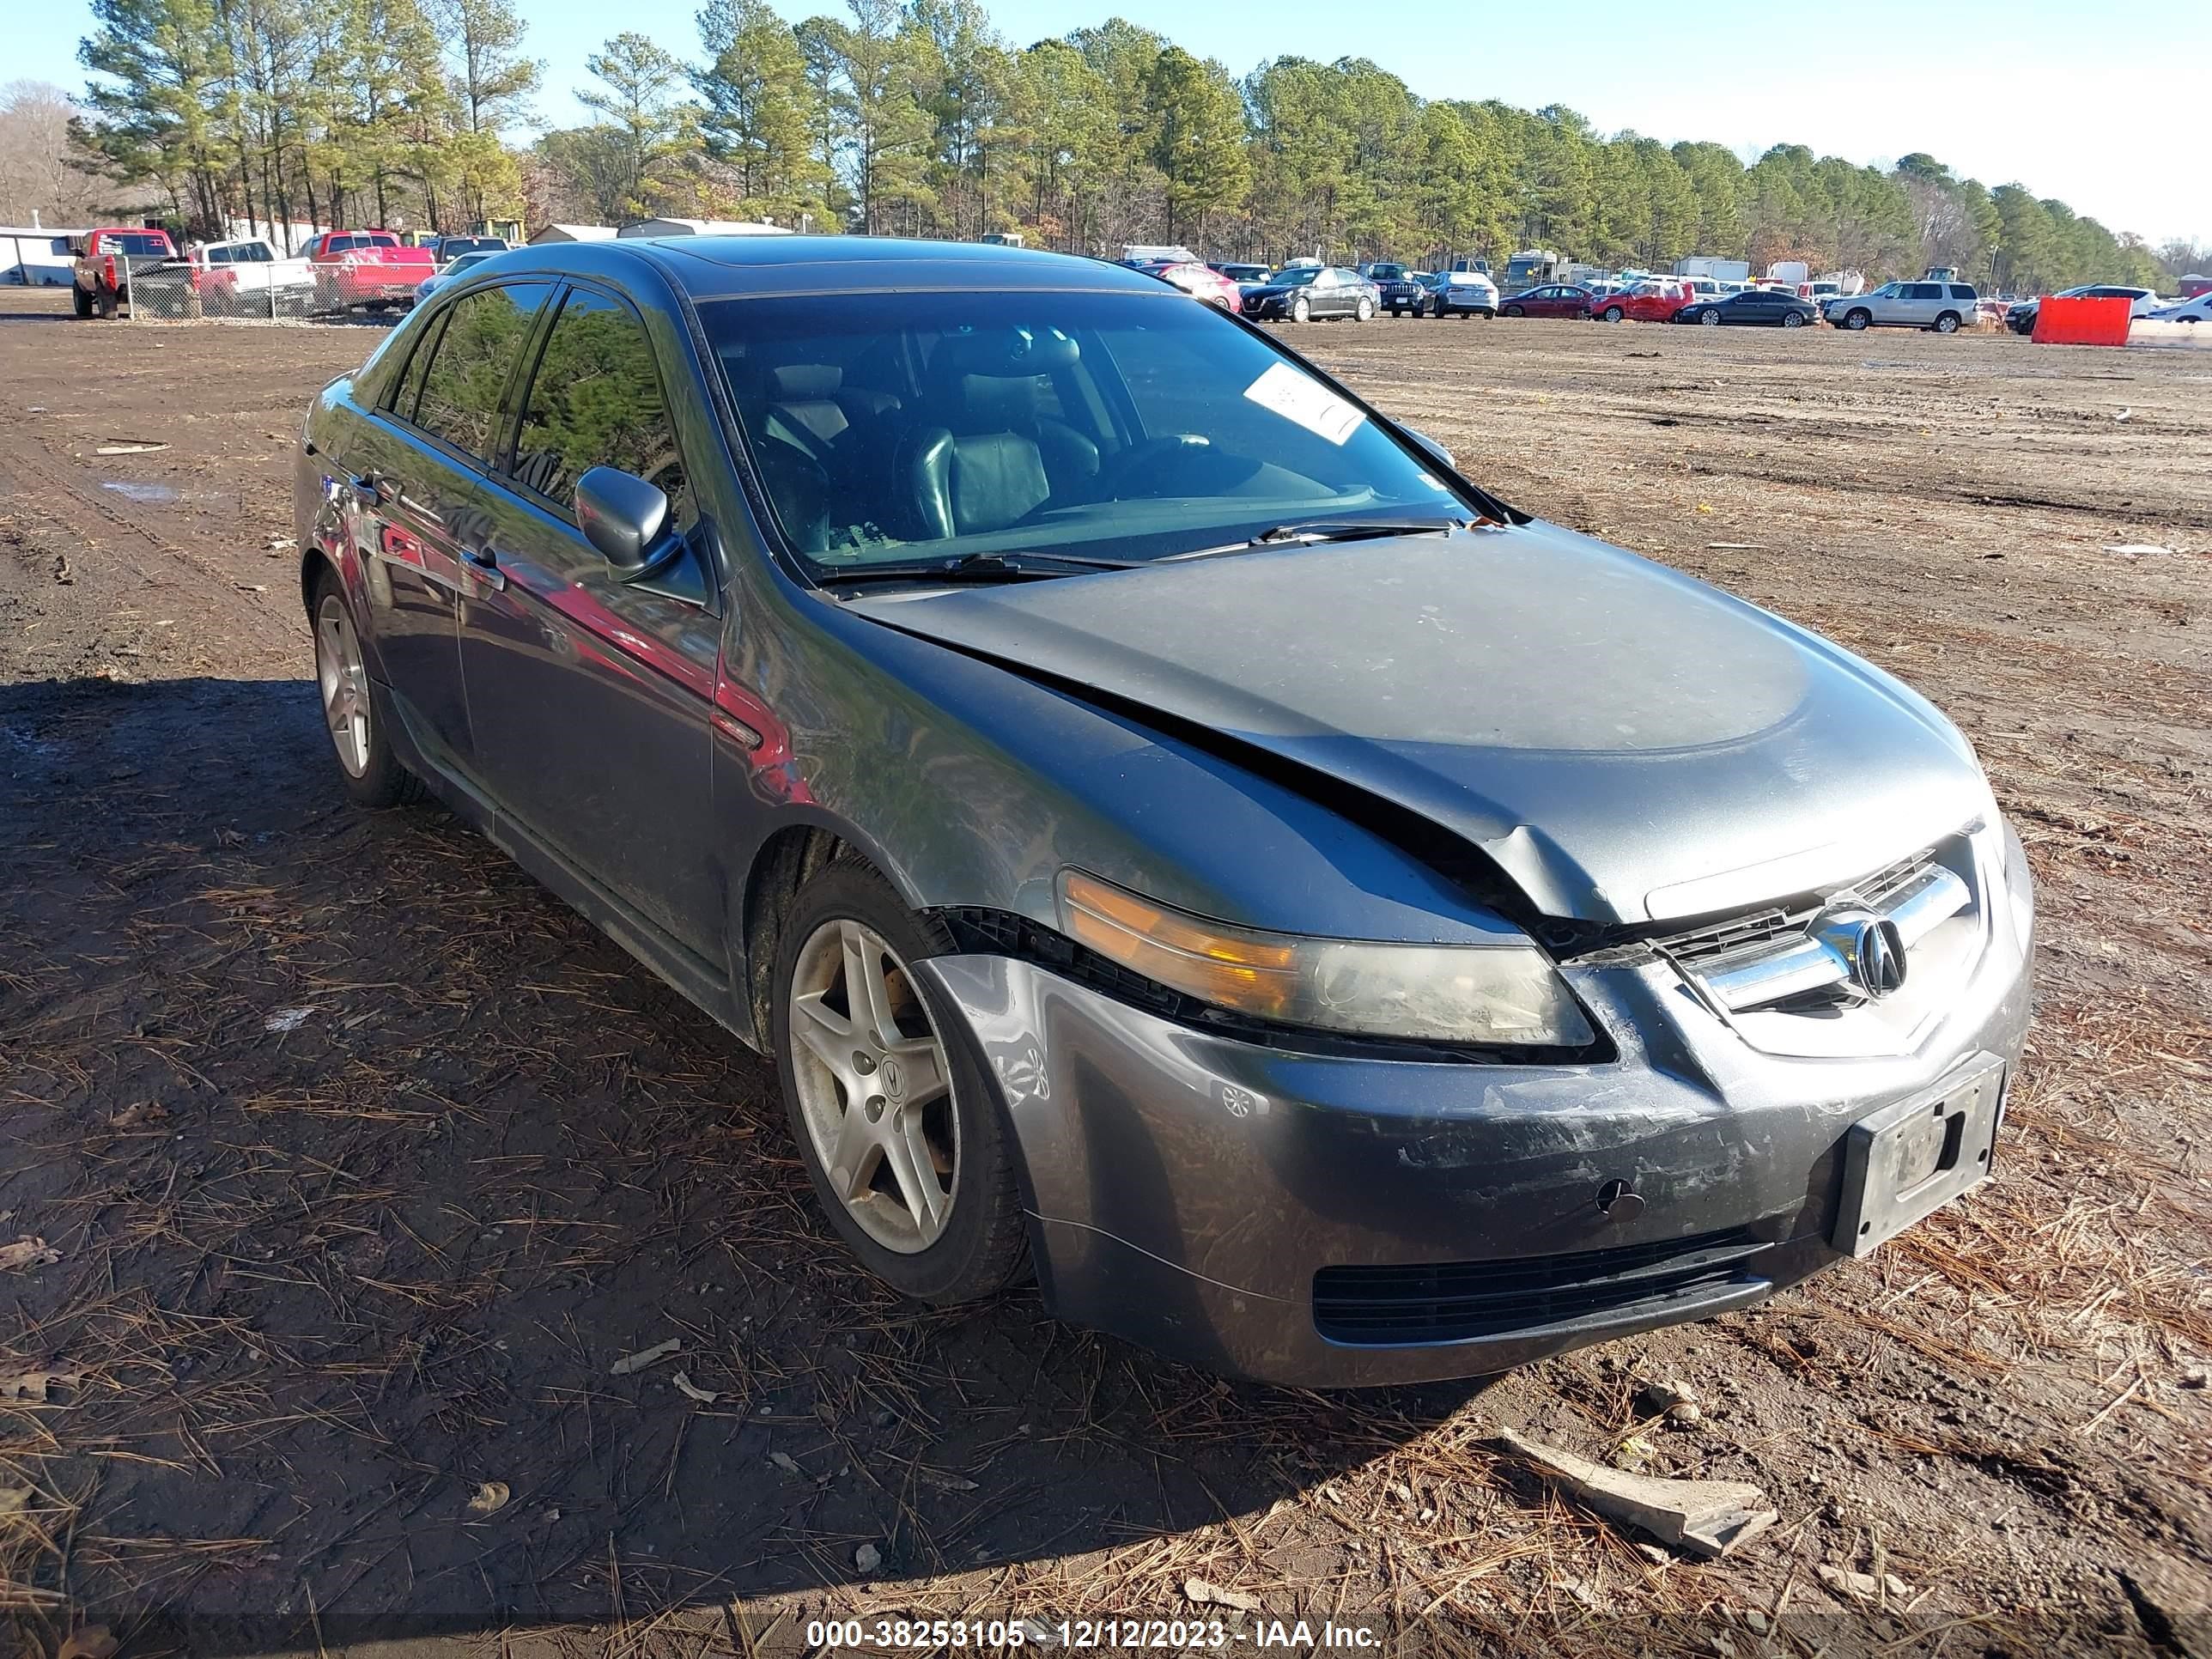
[980, 1245]
[1947, 323]
[82, 300]
[367, 764]
[105, 302]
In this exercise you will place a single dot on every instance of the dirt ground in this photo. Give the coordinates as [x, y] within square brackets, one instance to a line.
[306, 1292]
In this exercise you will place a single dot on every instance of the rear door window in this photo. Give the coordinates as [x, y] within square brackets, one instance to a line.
[596, 400]
[469, 367]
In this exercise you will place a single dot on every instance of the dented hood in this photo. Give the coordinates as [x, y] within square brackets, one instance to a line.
[1626, 743]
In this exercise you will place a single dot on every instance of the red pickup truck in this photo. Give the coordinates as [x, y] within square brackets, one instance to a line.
[367, 269]
[105, 259]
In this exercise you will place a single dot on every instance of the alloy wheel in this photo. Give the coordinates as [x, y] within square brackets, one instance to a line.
[874, 1086]
[344, 679]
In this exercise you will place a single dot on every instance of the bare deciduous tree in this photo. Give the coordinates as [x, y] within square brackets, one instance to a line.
[35, 174]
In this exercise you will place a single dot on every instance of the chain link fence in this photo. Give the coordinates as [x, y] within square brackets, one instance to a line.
[278, 291]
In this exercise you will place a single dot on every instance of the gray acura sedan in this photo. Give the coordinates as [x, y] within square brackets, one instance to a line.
[1175, 835]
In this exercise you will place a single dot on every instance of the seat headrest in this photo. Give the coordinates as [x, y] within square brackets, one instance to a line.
[993, 402]
[800, 382]
[1005, 353]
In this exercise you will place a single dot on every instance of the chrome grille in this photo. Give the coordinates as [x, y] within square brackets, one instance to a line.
[1784, 954]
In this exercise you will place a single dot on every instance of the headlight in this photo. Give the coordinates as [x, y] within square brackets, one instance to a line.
[1488, 993]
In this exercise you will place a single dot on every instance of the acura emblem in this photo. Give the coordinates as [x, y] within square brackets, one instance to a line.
[1878, 957]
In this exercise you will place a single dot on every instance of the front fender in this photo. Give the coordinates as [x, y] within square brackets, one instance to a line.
[972, 784]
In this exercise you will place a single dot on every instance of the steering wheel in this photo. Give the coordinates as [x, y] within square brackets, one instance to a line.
[1168, 466]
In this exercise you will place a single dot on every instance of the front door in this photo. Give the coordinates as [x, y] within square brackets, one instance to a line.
[417, 488]
[590, 697]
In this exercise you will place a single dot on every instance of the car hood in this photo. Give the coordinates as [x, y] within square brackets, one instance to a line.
[1625, 744]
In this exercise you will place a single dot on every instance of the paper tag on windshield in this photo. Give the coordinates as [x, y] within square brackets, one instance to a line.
[1308, 402]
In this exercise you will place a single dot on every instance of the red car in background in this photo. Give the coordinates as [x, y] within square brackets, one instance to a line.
[1552, 299]
[1653, 300]
[1201, 282]
[105, 260]
[367, 269]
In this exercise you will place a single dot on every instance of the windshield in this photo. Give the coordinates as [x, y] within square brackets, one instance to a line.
[1386, 273]
[1132, 426]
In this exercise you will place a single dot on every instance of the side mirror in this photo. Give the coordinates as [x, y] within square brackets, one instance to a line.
[622, 515]
[1434, 450]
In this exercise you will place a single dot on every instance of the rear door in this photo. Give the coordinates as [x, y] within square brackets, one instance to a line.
[417, 490]
[590, 696]
[1920, 302]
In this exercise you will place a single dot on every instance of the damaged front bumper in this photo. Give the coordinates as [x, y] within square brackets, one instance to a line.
[1331, 1220]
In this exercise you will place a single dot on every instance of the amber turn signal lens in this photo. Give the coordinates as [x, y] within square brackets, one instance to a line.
[1236, 970]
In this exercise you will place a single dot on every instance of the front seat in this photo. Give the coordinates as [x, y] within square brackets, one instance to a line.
[993, 461]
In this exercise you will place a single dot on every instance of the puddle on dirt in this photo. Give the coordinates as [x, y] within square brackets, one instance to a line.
[146, 494]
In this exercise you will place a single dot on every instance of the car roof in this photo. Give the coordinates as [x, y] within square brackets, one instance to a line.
[718, 267]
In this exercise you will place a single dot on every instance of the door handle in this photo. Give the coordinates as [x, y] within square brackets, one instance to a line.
[483, 564]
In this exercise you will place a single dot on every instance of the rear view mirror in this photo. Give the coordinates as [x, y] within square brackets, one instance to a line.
[1436, 451]
[622, 515]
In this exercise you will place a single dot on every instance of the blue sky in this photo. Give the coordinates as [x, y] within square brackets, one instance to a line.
[2105, 115]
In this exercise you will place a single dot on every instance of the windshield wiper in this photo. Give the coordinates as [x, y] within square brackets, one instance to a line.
[973, 567]
[1311, 530]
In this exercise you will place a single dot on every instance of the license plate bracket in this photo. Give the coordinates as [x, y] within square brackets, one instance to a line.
[1916, 1154]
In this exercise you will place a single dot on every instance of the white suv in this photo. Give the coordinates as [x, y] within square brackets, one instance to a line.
[1945, 306]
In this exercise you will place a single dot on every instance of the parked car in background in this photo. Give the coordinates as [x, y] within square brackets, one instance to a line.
[1820, 293]
[1944, 307]
[450, 248]
[105, 262]
[1753, 307]
[1163, 825]
[250, 278]
[2186, 311]
[1464, 294]
[1397, 289]
[1201, 282]
[1655, 299]
[1550, 300]
[1302, 294]
[1243, 275]
[370, 271]
[1694, 288]
[445, 274]
[2141, 301]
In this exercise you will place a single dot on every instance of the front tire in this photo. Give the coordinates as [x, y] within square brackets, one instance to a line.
[1858, 319]
[1362, 312]
[1614, 314]
[1712, 319]
[1515, 311]
[355, 712]
[892, 1111]
[1300, 311]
